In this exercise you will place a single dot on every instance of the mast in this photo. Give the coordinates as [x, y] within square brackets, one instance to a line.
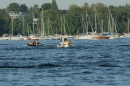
[23, 24]
[28, 29]
[87, 22]
[43, 22]
[102, 25]
[95, 19]
[82, 23]
[12, 25]
[33, 24]
[48, 25]
[68, 28]
[61, 24]
[128, 24]
[64, 26]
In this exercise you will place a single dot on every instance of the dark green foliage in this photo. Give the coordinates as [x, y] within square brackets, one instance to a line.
[55, 21]
[4, 21]
[54, 5]
[13, 7]
[17, 26]
[46, 6]
[23, 8]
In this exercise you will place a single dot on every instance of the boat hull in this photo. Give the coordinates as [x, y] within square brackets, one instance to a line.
[100, 37]
[35, 45]
[62, 44]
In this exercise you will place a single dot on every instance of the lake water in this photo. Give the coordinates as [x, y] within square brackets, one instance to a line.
[87, 63]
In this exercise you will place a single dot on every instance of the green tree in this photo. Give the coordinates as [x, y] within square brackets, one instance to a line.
[74, 21]
[17, 26]
[35, 10]
[29, 24]
[13, 7]
[4, 22]
[23, 8]
[54, 21]
[73, 7]
[46, 6]
[85, 7]
[54, 5]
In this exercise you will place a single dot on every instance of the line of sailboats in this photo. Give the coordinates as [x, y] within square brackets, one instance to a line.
[86, 22]
[112, 28]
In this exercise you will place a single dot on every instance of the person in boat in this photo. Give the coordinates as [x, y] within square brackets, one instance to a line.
[30, 43]
[62, 38]
[66, 41]
[70, 43]
[38, 43]
[34, 42]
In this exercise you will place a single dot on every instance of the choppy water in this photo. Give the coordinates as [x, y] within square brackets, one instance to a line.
[87, 63]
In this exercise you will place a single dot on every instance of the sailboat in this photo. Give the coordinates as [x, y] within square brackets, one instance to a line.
[101, 35]
[85, 35]
[127, 35]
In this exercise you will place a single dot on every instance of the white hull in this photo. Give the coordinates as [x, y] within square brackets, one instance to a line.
[63, 45]
[10, 38]
[84, 37]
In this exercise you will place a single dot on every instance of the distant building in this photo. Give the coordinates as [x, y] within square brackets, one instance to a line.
[15, 14]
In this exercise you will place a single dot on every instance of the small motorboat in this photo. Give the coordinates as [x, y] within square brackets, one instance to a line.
[34, 42]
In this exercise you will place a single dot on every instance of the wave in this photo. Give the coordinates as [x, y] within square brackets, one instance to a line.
[31, 66]
[108, 65]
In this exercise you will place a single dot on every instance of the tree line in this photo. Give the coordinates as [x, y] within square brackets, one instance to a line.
[56, 21]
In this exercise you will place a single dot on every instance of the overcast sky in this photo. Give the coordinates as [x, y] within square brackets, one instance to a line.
[63, 4]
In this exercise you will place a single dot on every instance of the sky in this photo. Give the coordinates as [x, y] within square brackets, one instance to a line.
[63, 4]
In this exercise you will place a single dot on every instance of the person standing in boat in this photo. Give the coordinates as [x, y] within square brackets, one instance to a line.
[62, 38]
[34, 42]
[66, 41]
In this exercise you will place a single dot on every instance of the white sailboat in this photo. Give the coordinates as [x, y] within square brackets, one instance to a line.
[87, 35]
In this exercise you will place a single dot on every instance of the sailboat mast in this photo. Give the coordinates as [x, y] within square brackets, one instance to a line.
[33, 24]
[23, 24]
[43, 22]
[82, 23]
[64, 26]
[95, 19]
[102, 25]
[48, 25]
[28, 29]
[12, 26]
[128, 25]
[61, 24]
[87, 22]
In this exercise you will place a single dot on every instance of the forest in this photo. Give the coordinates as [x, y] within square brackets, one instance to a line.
[68, 21]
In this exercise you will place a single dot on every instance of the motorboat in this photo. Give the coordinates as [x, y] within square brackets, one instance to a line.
[34, 42]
